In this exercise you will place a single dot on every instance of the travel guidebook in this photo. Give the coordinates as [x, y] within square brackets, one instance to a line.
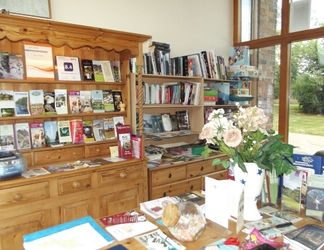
[36, 100]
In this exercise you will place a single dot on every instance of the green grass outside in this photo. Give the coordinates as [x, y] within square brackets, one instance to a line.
[299, 122]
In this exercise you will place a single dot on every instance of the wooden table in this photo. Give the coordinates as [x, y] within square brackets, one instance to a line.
[206, 238]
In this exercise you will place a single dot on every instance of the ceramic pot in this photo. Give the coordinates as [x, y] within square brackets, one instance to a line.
[252, 184]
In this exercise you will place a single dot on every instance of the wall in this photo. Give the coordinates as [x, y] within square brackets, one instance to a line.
[188, 25]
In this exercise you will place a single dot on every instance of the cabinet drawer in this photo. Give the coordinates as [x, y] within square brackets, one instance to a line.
[168, 175]
[180, 187]
[201, 168]
[96, 150]
[22, 194]
[55, 155]
[74, 184]
[220, 175]
[125, 176]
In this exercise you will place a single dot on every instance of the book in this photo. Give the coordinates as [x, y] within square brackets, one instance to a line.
[97, 70]
[192, 197]
[115, 68]
[147, 124]
[136, 146]
[51, 133]
[74, 101]
[7, 103]
[183, 119]
[98, 129]
[166, 122]
[108, 100]
[129, 230]
[68, 68]
[16, 66]
[87, 70]
[154, 208]
[7, 136]
[308, 237]
[39, 61]
[158, 240]
[118, 98]
[88, 131]
[109, 130]
[315, 197]
[22, 135]
[174, 122]
[157, 125]
[61, 101]
[194, 66]
[36, 101]
[85, 98]
[34, 172]
[107, 71]
[239, 55]
[37, 134]
[4, 66]
[76, 127]
[49, 103]
[21, 103]
[97, 101]
[124, 141]
[64, 131]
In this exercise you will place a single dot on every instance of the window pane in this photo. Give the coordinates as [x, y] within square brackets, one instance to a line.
[306, 14]
[306, 98]
[259, 19]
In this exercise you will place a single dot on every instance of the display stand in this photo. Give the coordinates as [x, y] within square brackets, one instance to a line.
[218, 228]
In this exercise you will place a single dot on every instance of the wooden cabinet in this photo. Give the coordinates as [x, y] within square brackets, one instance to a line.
[28, 205]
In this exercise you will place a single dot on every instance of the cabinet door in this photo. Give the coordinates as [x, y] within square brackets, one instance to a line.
[75, 210]
[122, 201]
[12, 230]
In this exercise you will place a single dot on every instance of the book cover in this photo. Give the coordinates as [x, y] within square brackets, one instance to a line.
[174, 122]
[154, 208]
[194, 66]
[309, 237]
[7, 136]
[183, 119]
[239, 55]
[315, 197]
[88, 131]
[108, 100]
[97, 70]
[85, 98]
[157, 125]
[64, 132]
[68, 68]
[7, 103]
[21, 103]
[147, 124]
[74, 101]
[166, 122]
[61, 105]
[115, 68]
[158, 240]
[87, 70]
[97, 101]
[4, 69]
[308, 161]
[22, 135]
[39, 61]
[109, 130]
[16, 66]
[107, 71]
[124, 141]
[118, 98]
[36, 100]
[136, 146]
[49, 103]
[34, 172]
[37, 134]
[98, 129]
[51, 133]
[76, 127]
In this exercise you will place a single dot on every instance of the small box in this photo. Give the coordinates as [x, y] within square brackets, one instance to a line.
[196, 149]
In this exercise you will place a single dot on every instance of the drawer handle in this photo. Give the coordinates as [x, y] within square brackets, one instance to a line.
[123, 175]
[98, 150]
[164, 194]
[76, 184]
[202, 168]
[18, 197]
[191, 187]
[59, 157]
[170, 175]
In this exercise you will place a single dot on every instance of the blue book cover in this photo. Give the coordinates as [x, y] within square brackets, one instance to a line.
[308, 161]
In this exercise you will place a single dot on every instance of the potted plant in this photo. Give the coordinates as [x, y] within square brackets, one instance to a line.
[251, 148]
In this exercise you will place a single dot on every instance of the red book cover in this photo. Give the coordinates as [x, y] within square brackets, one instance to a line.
[76, 127]
[124, 141]
[211, 98]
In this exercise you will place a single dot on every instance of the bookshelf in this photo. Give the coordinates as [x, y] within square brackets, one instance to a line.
[33, 204]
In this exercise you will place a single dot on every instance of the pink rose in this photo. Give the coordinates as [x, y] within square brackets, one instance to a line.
[206, 133]
[233, 137]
